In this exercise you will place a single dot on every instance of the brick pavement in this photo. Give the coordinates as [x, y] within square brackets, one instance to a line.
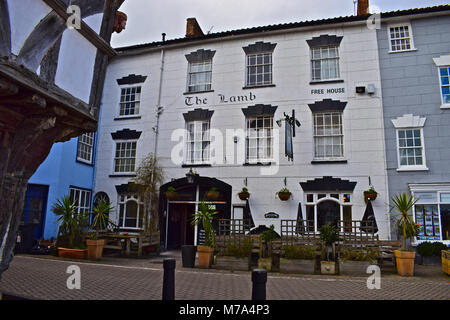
[124, 279]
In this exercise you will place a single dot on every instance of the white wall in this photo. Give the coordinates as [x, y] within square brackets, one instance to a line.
[363, 126]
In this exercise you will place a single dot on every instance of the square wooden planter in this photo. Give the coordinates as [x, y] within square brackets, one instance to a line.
[445, 261]
[354, 268]
[72, 253]
[232, 263]
[265, 263]
[329, 267]
[301, 266]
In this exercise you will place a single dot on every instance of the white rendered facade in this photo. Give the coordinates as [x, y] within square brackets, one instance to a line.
[361, 155]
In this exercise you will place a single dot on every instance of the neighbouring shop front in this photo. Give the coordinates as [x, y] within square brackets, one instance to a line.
[432, 211]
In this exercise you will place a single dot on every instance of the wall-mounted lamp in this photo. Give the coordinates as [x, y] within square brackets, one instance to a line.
[191, 175]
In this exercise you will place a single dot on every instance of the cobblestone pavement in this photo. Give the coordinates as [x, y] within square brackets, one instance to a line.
[123, 279]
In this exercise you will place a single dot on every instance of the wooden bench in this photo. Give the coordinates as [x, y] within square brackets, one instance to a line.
[123, 241]
[387, 249]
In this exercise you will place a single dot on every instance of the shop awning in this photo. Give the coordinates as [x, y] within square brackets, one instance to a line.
[369, 223]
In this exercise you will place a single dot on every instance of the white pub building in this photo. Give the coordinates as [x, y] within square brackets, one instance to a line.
[218, 105]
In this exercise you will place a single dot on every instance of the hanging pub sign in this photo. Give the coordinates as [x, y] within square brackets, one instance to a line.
[289, 132]
[289, 150]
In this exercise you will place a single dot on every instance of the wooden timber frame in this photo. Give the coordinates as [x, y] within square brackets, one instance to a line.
[34, 112]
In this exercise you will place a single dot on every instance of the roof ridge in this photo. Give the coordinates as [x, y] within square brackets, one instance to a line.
[419, 10]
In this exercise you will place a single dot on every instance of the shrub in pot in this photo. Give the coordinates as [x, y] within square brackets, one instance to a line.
[298, 259]
[284, 194]
[171, 193]
[328, 236]
[266, 260]
[402, 204]
[355, 262]
[244, 195]
[236, 255]
[72, 227]
[100, 223]
[430, 252]
[204, 217]
[212, 194]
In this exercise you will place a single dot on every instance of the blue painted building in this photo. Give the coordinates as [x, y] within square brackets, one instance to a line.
[68, 170]
[414, 52]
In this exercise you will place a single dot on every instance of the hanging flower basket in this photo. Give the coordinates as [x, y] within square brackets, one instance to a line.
[284, 194]
[244, 195]
[370, 194]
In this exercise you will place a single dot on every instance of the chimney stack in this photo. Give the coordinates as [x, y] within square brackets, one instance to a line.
[193, 28]
[363, 7]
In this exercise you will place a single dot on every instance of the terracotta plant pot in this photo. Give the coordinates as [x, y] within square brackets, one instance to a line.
[284, 196]
[405, 262]
[244, 195]
[72, 253]
[205, 256]
[369, 195]
[95, 249]
[212, 195]
[170, 195]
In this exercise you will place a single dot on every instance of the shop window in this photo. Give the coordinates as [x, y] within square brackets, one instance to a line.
[432, 213]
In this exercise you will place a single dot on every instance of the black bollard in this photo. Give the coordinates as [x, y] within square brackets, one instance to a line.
[168, 292]
[259, 279]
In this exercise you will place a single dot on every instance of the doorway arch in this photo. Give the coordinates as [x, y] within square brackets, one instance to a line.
[175, 214]
[328, 211]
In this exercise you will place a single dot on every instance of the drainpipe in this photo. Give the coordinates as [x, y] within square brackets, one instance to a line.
[159, 108]
[159, 111]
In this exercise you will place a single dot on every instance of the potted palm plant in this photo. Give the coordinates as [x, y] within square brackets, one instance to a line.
[204, 217]
[100, 222]
[71, 228]
[244, 195]
[403, 203]
[284, 194]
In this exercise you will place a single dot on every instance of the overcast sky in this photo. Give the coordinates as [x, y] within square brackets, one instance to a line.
[147, 19]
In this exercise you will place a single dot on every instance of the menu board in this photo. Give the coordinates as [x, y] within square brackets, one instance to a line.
[427, 216]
